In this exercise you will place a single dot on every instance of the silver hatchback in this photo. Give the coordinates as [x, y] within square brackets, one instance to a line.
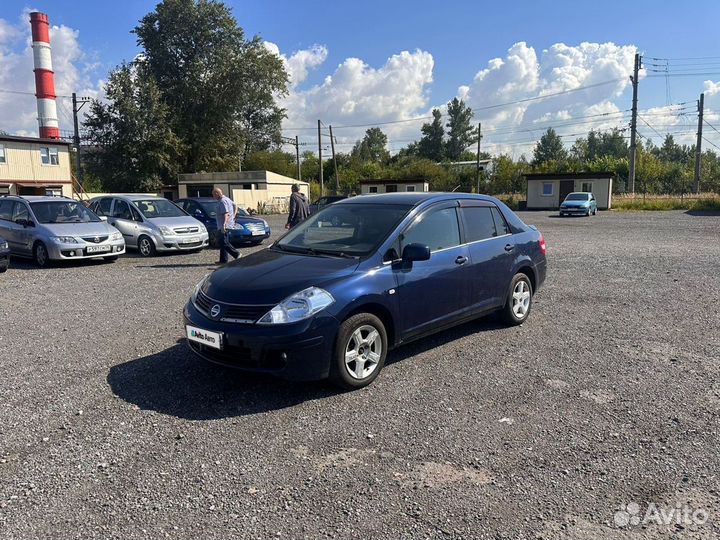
[151, 224]
[56, 228]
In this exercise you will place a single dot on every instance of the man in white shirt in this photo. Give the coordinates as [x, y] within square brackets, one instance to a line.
[225, 216]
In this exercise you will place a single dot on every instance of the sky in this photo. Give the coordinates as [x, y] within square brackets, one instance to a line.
[390, 63]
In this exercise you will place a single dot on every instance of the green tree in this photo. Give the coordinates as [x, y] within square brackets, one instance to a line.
[373, 147]
[134, 148]
[549, 149]
[460, 133]
[432, 143]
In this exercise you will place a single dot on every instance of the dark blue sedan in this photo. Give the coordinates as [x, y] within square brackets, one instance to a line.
[362, 276]
[4, 255]
[248, 230]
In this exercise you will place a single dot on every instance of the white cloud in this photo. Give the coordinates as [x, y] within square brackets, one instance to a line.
[18, 113]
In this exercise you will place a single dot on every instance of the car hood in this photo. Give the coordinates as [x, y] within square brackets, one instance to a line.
[576, 204]
[99, 228]
[247, 220]
[268, 276]
[172, 222]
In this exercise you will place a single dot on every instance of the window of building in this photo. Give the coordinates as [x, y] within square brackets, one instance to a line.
[372, 189]
[437, 229]
[587, 187]
[391, 188]
[547, 189]
[3, 159]
[49, 155]
[53, 192]
[410, 188]
[200, 190]
[4, 190]
[479, 224]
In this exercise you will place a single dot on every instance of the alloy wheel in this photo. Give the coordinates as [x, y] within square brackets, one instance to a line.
[145, 247]
[363, 352]
[41, 256]
[521, 299]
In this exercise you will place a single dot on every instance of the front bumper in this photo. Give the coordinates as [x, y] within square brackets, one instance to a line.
[299, 351]
[66, 252]
[241, 236]
[574, 210]
[181, 242]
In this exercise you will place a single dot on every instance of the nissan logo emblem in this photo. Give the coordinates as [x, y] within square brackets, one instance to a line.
[215, 311]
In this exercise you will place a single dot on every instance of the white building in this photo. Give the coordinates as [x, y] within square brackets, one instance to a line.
[545, 191]
[392, 186]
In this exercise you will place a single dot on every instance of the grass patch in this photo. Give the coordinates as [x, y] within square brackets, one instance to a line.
[701, 204]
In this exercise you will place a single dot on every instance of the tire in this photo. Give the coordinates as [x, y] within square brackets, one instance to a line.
[146, 247]
[3, 269]
[111, 258]
[353, 337]
[40, 255]
[519, 300]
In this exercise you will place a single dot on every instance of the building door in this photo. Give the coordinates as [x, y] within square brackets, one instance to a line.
[566, 187]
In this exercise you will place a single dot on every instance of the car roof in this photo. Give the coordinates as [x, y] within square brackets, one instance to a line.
[581, 193]
[411, 198]
[38, 198]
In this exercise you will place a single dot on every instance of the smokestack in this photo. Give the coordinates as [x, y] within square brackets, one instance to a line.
[44, 76]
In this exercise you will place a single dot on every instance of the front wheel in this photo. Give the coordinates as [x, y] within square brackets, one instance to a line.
[40, 254]
[360, 351]
[519, 300]
[146, 247]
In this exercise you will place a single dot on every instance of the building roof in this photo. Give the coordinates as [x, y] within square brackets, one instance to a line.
[390, 181]
[237, 177]
[569, 176]
[16, 138]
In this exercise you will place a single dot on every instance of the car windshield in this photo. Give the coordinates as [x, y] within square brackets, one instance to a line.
[577, 197]
[158, 208]
[344, 229]
[209, 207]
[62, 212]
[241, 212]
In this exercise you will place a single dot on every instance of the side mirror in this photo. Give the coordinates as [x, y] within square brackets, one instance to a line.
[415, 252]
[103, 218]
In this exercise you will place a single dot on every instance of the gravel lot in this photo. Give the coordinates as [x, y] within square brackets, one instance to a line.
[608, 395]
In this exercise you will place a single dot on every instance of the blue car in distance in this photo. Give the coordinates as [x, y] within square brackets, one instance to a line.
[248, 230]
[362, 276]
[579, 203]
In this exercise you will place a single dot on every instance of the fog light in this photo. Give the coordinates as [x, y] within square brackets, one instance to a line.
[72, 253]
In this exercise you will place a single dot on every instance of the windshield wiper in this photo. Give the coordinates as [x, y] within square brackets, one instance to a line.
[340, 254]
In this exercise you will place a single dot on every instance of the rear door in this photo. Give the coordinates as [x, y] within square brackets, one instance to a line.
[23, 236]
[491, 252]
[433, 292]
[7, 227]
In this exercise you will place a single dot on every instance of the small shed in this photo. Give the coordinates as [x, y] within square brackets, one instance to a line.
[545, 191]
[393, 186]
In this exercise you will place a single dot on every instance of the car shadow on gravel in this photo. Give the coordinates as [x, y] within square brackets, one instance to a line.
[176, 383]
[19, 263]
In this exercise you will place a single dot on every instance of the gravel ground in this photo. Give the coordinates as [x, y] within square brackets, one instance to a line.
[608, 395]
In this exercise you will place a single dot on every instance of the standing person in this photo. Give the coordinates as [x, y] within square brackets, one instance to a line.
[225, 216]
[299, 208]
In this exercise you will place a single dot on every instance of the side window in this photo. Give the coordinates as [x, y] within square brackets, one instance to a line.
[20, 212]
[501, 225]
[3, 159]
[6, 210]
[121, 210]
[479, 223]
[437, 229]
[103, 207]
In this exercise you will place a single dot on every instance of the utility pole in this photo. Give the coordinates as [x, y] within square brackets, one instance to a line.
[297, 153]
[698, 147]
[337, 179]
[633, 123]
[322, 183]
[478, 156]
[76, 135]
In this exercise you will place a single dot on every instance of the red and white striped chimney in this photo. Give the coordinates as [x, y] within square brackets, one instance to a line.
[44, 76]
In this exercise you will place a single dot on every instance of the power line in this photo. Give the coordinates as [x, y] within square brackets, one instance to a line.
[711, 143]
[711, 126]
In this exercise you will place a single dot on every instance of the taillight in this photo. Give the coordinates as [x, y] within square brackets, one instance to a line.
[543, 249]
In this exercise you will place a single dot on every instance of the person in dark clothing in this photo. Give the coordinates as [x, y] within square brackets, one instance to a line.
[299, 208]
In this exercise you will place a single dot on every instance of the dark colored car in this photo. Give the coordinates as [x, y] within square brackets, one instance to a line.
[249, 230]
[322, 202]
[4, 255]
[362, 276]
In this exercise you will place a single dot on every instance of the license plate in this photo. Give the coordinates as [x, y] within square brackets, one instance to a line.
[192, 240]
[258, 233]
[98, 249]
[206, 337]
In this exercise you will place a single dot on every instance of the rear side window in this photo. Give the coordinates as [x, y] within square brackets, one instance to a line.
[6, 209]
[437, 229]
[501, 225]
[479, 223]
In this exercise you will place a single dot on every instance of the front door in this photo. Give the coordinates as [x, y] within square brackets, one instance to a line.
[566, 188]
[122, 219]
[433, 292]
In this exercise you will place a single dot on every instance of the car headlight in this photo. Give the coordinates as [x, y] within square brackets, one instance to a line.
[166, 231]
[265, 223]
[65, 239]
[563, 205]
[298, 306]
[202, 229]
[4, 245]
[116, 236]
[199, 286]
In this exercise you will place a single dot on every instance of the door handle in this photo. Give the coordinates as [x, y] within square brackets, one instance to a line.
[461, 260]
[509, 247]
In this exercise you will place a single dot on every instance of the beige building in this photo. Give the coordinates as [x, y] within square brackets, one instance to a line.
[392, 186]
[247, 188]
[32, 166]
[547, 190]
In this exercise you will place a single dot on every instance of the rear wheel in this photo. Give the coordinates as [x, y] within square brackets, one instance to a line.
[40, 254]
[146, 247]
[519, 300]
[360, 351]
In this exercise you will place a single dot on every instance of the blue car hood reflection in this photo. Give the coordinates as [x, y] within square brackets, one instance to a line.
[268, 276]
